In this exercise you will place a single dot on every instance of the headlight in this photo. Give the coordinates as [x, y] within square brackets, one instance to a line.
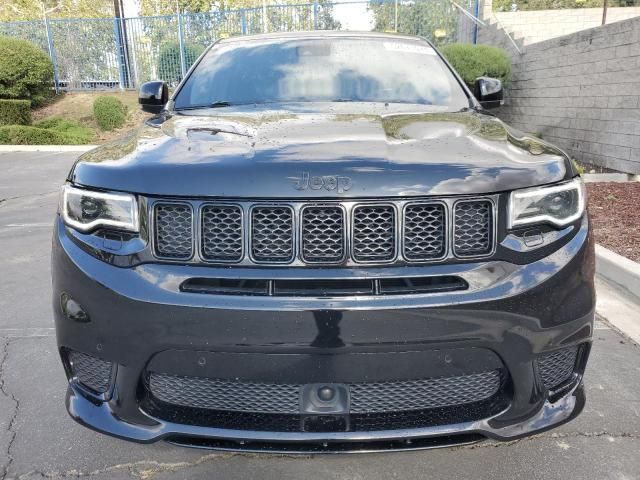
[557, 204]
[86, 210]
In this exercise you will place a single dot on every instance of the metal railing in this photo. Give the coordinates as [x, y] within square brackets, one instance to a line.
[109, 53]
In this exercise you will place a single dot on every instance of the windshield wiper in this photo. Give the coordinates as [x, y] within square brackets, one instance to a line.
[216, 104]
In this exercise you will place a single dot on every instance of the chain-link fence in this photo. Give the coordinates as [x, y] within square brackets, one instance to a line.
[123, 53]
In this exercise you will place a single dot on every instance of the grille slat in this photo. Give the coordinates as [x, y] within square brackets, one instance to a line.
[272, 234]
[473, 229]
[374, 233]
[221, 233]
[324, 233]
[173, 230]
[424, 231]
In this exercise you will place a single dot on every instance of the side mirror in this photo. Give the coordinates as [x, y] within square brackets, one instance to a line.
[153, 96]
[489, 92]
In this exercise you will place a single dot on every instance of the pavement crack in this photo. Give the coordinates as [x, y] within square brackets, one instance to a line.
[20, 197]
[556, 436]
[10, 427]
[147, 469]
[142, 469]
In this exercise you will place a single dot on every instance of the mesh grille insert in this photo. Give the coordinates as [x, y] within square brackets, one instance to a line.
[221, 233]
[272, 234]
[473, 228]
[424, 231]
[225, 395]
[322, 234]
[424, 394]
[173, 230]
[90, 371]
[374, 233]
[557, 367]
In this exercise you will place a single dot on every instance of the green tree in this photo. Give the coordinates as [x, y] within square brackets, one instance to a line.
[15, 10]
[435, 20]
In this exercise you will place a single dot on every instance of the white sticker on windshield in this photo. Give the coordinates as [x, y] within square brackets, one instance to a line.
[409, 48]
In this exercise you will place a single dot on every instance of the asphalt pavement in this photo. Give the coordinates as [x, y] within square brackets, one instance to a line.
[39, 440]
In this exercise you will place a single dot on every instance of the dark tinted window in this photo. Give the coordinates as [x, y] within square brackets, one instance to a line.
[322, 69]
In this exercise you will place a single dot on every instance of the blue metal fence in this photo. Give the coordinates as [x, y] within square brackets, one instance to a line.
[111, 53]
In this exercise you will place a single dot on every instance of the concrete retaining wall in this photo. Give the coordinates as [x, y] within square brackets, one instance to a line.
[538, 25]
[580, 91]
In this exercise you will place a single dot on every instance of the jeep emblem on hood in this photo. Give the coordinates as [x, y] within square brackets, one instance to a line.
[329, 182]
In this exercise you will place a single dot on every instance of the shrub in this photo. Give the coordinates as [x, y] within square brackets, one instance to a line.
[68, 127]
[54, 131]
[169, 60]
[15, 112]
[26, 72]
[109, 112]
[473, 61]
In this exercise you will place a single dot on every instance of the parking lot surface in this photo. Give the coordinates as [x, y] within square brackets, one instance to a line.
[38, 439]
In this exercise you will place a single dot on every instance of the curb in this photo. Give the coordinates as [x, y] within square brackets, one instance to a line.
[618, 270]
[46, 148]
[610, 177]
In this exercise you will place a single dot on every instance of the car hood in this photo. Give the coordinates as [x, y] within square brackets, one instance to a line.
[280, 154]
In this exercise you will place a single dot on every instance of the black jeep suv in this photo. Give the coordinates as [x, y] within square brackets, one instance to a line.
[323, 242]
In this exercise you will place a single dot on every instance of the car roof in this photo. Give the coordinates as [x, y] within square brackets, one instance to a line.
[318, 34]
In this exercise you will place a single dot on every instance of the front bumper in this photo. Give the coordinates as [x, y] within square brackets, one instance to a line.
[137, 317]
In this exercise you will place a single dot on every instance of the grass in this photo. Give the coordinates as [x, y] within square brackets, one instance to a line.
[78, 107]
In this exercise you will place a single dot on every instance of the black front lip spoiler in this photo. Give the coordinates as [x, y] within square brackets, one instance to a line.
[99, 416]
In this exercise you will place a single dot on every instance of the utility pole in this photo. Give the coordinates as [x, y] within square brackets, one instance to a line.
[122, 43]
[395, 23]
[604, 11]
[264, 16]
[52, 51]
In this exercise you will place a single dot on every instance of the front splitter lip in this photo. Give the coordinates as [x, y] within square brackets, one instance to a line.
[99, 416]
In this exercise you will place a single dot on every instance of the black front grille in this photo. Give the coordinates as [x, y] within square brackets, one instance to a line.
[272, 234]
[221, 233]
[90, 371]
[329, 233]
[374, 233]
[424, 231]
[323, 234]
[557, 367]
[173, 230]
[473, 228]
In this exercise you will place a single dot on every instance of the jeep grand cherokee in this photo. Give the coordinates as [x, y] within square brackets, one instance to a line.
[323, 242]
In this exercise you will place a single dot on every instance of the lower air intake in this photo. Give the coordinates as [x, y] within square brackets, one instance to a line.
[93, 373]
[227, 395]
[557, 367]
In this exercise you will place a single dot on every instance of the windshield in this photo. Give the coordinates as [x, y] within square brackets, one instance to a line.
[321, 69]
